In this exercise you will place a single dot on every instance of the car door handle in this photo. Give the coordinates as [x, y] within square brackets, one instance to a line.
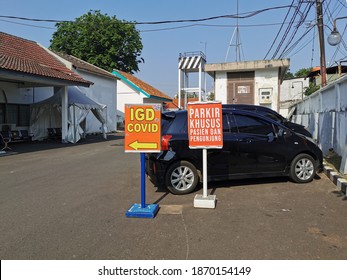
[246, 140]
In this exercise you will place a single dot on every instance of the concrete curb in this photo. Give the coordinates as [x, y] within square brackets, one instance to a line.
[336, 178]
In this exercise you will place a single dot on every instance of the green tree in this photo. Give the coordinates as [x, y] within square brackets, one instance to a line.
[311, 89]
[101, 40]
[303, 72]
[288, 75]
[211, 96]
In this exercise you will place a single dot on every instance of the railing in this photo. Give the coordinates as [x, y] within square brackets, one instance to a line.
[189, 54]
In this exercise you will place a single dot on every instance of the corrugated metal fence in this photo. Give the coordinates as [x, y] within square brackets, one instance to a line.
[324, 113]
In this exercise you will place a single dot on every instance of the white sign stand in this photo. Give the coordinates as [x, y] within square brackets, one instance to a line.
[204, 200]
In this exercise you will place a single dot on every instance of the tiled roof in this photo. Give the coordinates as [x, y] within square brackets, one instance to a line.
[146, 88]
[25, 56]
[174, 104]
[85, 66]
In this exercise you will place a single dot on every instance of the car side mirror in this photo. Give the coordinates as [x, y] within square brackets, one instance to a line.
[283, 132]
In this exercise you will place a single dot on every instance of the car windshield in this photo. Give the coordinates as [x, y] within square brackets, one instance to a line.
[174, 123]
[274, 117]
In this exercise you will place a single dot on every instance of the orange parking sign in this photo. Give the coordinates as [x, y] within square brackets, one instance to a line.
[142, 128]
[205, 125]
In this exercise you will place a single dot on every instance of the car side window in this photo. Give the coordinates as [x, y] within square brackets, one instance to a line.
[225, 123]
[232, 124]
[253, 125]
[229, 124]
[178, 125]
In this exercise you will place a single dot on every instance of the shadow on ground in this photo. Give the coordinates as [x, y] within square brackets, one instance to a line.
[34, 146]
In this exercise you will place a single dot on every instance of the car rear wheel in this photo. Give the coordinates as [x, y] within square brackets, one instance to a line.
[303, 169]
[181, 177]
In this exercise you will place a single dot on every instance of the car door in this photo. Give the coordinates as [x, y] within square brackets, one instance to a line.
[261, 149]
[220, 161]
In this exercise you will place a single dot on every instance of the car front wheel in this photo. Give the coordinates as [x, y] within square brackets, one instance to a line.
[181, 177]
[303, 169]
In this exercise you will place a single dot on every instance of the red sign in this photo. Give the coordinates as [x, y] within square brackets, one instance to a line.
[142, 128]
[205, 125]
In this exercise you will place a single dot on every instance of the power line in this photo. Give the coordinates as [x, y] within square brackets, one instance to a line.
[286, 32]
[303, 17]
[279, 31]
[246, 15]
[212, 25]
[242, 15]
[30, 25]
[34, 19]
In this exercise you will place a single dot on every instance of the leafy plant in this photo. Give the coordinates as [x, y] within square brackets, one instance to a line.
[101, 40]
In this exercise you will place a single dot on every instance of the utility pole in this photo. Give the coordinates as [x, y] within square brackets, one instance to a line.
[323, 70]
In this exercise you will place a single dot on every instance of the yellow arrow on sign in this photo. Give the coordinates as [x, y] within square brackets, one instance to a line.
[136, 145]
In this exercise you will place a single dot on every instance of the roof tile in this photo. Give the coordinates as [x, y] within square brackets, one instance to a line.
[83, 65]
[21, 55]
[144, 86]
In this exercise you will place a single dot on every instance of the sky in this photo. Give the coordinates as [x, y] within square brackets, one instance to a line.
[162, 43]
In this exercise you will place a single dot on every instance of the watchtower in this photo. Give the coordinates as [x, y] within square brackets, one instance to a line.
[189, 63]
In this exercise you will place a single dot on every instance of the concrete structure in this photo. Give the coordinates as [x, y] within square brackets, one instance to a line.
[250, 82]
[292, 91]
[324, 113]
[131, 90]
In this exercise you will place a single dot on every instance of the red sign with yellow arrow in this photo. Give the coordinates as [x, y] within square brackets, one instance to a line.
[142, 128]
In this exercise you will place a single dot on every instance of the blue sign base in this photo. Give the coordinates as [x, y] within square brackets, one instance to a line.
[136, 211]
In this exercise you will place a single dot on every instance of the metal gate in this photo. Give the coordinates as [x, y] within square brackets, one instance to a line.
[240, 89]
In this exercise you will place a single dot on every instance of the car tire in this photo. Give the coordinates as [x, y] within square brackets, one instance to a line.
[303, 168]
[181, 177]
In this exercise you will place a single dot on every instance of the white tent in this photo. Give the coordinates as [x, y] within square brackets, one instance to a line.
[47, 114]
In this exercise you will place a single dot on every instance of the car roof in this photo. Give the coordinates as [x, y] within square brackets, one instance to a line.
[233, 110]
[255, 108]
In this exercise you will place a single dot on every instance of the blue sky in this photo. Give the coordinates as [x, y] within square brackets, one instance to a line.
[162, 47]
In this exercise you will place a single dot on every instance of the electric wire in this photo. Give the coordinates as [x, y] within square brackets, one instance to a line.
[286, 32]
[279, 31]
[241, 15]
[30, 25]
[288, 35]
[288, 48]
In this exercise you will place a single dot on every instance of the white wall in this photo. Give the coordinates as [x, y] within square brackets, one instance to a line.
[291, 90]
[221, 85]
[104, 91]
[267, 79]
[126, 95]
[264, 79]
[324, 113]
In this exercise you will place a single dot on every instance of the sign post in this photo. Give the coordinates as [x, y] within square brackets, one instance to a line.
[142, 134]
[205, 131]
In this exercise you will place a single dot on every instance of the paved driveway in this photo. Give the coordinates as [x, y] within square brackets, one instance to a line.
[69, 201]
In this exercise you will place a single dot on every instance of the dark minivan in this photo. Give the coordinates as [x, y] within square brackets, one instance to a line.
[253, 146]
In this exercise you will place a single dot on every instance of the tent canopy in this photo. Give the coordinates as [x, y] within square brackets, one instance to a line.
[47, 113]
[75, 97]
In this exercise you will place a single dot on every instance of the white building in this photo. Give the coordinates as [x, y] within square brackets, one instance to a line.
[131, 90]
[103, 90]
[292, 91]
[249, 82]
[30, 73]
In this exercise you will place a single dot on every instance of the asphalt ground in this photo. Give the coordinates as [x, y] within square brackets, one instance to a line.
[64, 201]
